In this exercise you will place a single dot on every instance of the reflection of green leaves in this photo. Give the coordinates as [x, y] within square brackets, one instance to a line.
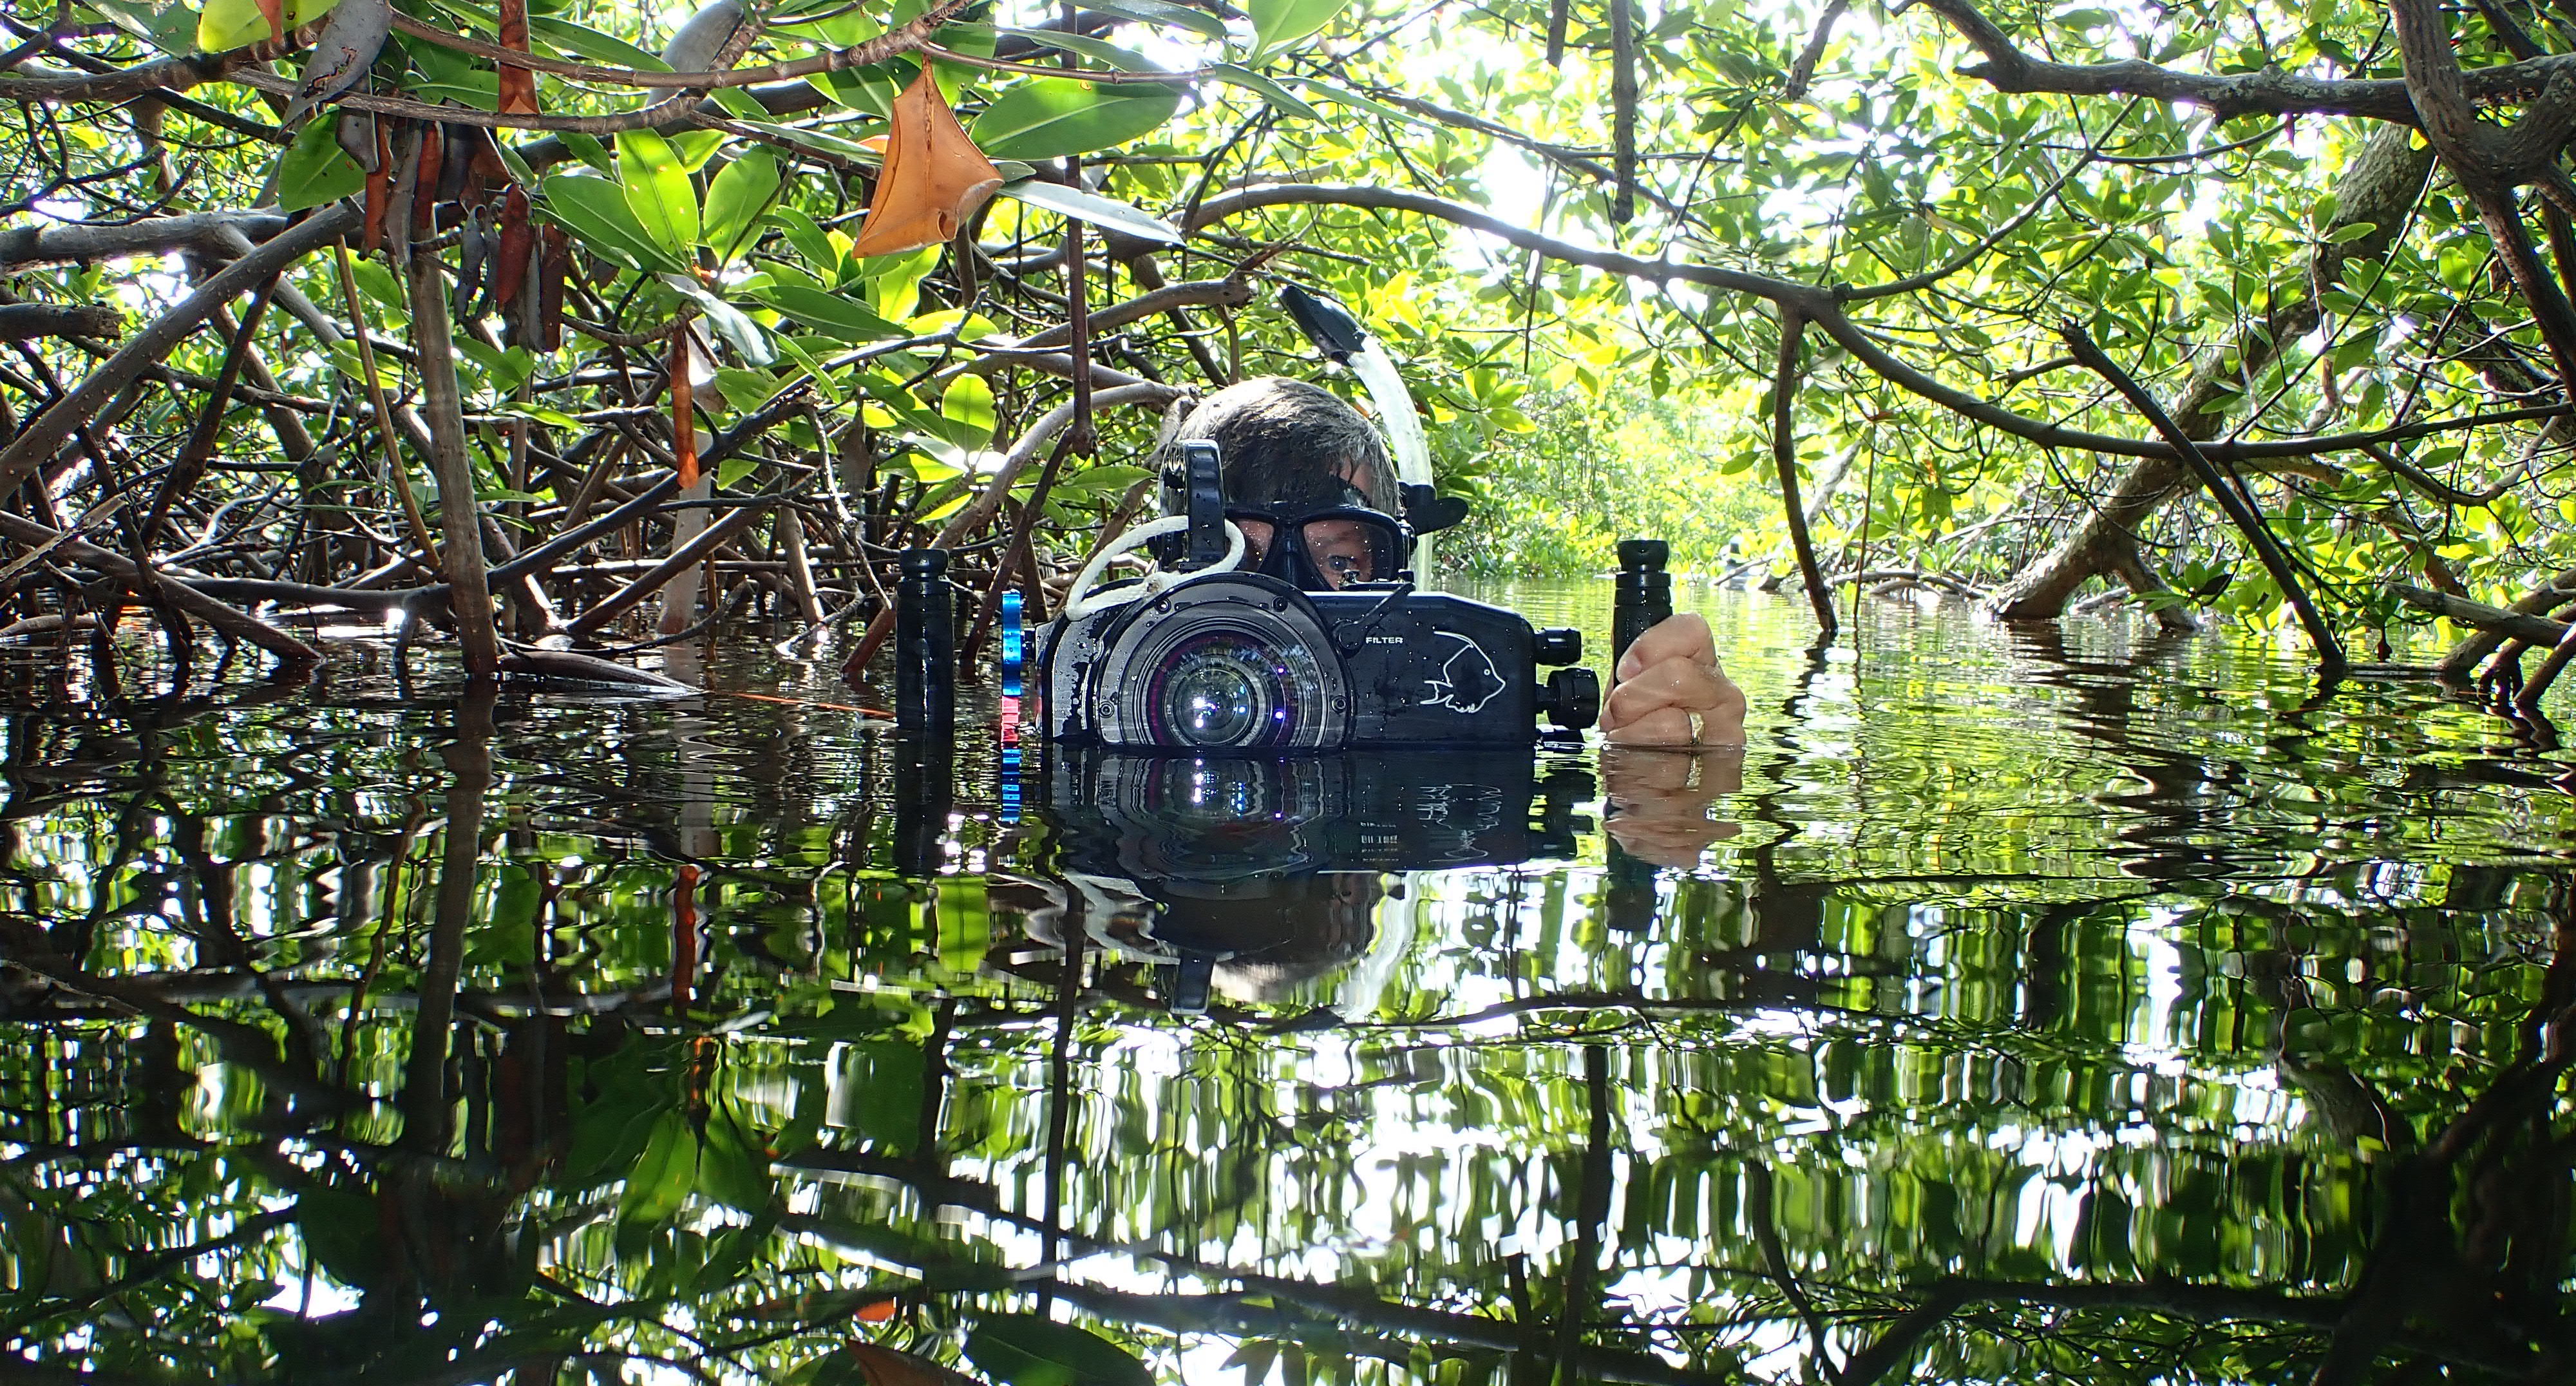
[1025, 1350]
[343, 1233]
[658, 190]
[719, 1156]
[314, 169]
[881, 1088]
[733, 1162]
[1049, 117]
[662, 1180]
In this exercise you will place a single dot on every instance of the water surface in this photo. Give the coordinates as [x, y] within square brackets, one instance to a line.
[2018, 1007]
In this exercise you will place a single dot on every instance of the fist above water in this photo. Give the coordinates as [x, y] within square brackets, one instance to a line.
[1671, 691]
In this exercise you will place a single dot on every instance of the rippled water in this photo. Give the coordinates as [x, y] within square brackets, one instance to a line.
[2019, 1007]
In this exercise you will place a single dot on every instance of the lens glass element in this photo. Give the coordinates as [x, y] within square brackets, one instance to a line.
[1231, 687]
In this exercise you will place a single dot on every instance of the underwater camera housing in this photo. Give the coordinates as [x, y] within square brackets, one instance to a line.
[1223, 660]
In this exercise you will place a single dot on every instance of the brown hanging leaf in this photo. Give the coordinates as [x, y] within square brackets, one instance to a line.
[274, 11]
[518, 84]
[684, 427]
[517, 238]
[433, 165]
[554, 269]
[380, 186]
[934, 176]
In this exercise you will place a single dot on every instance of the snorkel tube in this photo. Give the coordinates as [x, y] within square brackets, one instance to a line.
[1344, 342]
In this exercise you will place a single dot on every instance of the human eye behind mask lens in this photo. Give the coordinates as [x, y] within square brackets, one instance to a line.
[1322, 550]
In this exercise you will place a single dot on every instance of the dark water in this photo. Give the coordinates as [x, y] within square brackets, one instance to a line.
[2021, 1008]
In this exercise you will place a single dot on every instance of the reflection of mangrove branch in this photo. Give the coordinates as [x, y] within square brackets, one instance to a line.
[1334, 1305]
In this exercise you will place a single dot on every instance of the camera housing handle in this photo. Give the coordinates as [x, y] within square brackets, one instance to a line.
[1200, 479]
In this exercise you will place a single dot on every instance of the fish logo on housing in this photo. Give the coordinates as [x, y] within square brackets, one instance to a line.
[1467, 680]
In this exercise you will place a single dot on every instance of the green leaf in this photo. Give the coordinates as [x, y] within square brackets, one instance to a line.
[1025, 1350]
[1199, 22]
[811, 241]
[731, 471]
[825, 311]
[479, 90]
[502, 370]
[228, 24]
[742, 190]
[314, 169]
[170, 28]
[1265, 88]
[744, 390]
[820, 142]
[867, 89]
[597, 211]
[894, 281]
[658, 191]
[582, 42]
[1278, 23]
[1050, 117]
[1099, 483]
[1345, 96]
[730, 323]
[814, 369]
[1107, 213]
[1121, 58]
[968, 408]
[589, 150]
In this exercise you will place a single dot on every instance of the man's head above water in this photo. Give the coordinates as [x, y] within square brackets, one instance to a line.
[1291, 450]
[1288, 442]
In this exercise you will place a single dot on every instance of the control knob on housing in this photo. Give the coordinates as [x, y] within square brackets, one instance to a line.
[1556, 645]
[1571, 698]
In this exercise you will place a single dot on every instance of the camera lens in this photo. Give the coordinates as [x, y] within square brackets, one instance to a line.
[1217, 691]
[1230, 687]
[1223, 662]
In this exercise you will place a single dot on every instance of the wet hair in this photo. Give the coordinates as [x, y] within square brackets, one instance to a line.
[1286, 441]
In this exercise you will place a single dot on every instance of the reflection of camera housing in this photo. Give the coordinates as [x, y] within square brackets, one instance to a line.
[1192, 823]
[1241, 662]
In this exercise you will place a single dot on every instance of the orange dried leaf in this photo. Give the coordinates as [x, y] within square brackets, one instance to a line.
[876, 1311]
[684, 429]
[274, 11]
[518, 85]
[934, 177]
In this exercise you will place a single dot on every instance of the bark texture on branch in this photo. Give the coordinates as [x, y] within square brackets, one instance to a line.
[47, 432]
[2500, 621]
[20, 321]
[232, 622]
[460, 517]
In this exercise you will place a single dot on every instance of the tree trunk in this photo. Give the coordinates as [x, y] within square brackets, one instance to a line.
[460, 521]
[2379, 189]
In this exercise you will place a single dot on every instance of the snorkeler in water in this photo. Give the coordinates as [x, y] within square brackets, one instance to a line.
[1309, 482]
